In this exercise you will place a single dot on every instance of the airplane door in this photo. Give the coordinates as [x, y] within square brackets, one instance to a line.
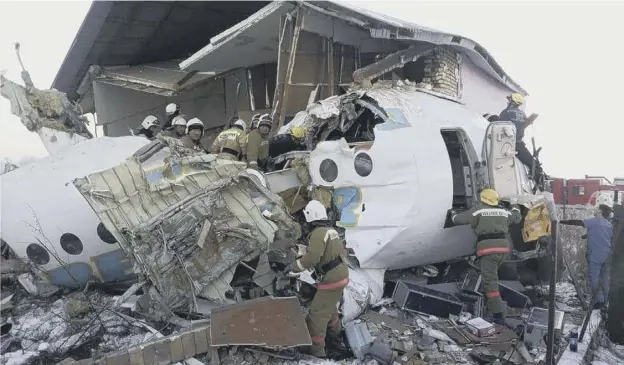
[499, 151]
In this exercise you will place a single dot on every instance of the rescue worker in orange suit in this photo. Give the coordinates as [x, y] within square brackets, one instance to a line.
[490, 224]
[194, 136]
[228, 144]
[325, 253]
[512, 113]
[256, 145]
[150, 127]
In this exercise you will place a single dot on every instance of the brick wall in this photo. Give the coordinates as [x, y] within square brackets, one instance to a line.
[442, 71]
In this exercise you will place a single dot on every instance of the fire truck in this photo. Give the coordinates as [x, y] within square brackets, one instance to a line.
[585, 191]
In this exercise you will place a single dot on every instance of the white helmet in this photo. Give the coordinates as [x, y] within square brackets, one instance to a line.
[171, 108]
[241, 123]
[179, 120]
[149, 121]
[314, 211]
[194, 122]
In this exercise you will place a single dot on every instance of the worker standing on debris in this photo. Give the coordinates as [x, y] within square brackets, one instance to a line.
[490, 224]
[513, 114]
[150, 127]
[194, 135]
[172, 110]
[256, 146]
[599, 242]
[325, 253]
[228, 144]
[178, 127]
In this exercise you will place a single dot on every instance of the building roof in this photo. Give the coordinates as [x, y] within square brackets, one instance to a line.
[260, 41]
[133, 33]
[116, 33]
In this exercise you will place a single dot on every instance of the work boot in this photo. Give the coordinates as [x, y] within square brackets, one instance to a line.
[318, 351]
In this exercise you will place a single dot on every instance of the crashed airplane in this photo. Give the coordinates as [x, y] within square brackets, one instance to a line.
[389, 155]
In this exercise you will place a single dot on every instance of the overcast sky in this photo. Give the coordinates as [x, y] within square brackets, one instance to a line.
[567, 55]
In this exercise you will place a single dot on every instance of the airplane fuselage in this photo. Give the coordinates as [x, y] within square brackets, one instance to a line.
[394, 213]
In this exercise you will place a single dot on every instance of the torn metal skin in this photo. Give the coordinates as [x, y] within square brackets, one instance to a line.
[162, 200]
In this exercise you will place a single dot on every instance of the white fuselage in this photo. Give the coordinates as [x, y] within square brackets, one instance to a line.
[47, 221]
[396, 219]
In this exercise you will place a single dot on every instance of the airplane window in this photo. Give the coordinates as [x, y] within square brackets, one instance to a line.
[328, 170]
[37, 254]
[363, 164]
[105, 234]
[71, 244]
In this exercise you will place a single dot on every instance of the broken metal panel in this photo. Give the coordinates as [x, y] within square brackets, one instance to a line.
[393, 61]
[47, 110]
[267, 322]
[157, 215]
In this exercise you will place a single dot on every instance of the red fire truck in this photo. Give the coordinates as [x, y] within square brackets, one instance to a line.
[580, 191]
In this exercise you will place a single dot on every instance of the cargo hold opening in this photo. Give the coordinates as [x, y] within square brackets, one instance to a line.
[460, 167]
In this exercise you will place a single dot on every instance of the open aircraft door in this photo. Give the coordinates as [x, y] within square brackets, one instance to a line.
[498, 154]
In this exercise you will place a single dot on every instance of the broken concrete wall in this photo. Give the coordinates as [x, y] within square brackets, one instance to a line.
[441, 71]
[186, 222]
[480, 91]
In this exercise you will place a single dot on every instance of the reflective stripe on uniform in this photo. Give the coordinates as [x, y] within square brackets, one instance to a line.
[492, 212]
[334, 285]
[317, 339]
[491, 250]
[492, 294]
[330, 235]
[299, 265]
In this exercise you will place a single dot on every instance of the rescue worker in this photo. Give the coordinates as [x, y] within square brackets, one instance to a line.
[599, 243]
[256, 148]
[513, 114]
[491, 117]
[228, 144]
[178, 127]
[254, 121]
[194, 135]
[172, 110]
[294, 140]
[490, 224]
[150, 127]
[326, 253]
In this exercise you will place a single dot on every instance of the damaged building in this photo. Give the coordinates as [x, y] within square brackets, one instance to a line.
[203, 240]
[130, 60]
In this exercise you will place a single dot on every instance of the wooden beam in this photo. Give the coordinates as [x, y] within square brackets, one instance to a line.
[290, 68]
[330, 67]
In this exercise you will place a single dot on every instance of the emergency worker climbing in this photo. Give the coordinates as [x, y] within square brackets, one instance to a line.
[490, 224]
[194, 135]
[256, 146]
[599, 243]
[513, 114]
[326, 253]
[150, 127]
[178, 127]
[228, 144]
[172, 110]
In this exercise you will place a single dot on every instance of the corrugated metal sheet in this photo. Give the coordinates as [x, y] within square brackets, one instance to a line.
[156, 210]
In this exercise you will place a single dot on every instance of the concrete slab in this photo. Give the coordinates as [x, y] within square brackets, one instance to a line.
[576, 358]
